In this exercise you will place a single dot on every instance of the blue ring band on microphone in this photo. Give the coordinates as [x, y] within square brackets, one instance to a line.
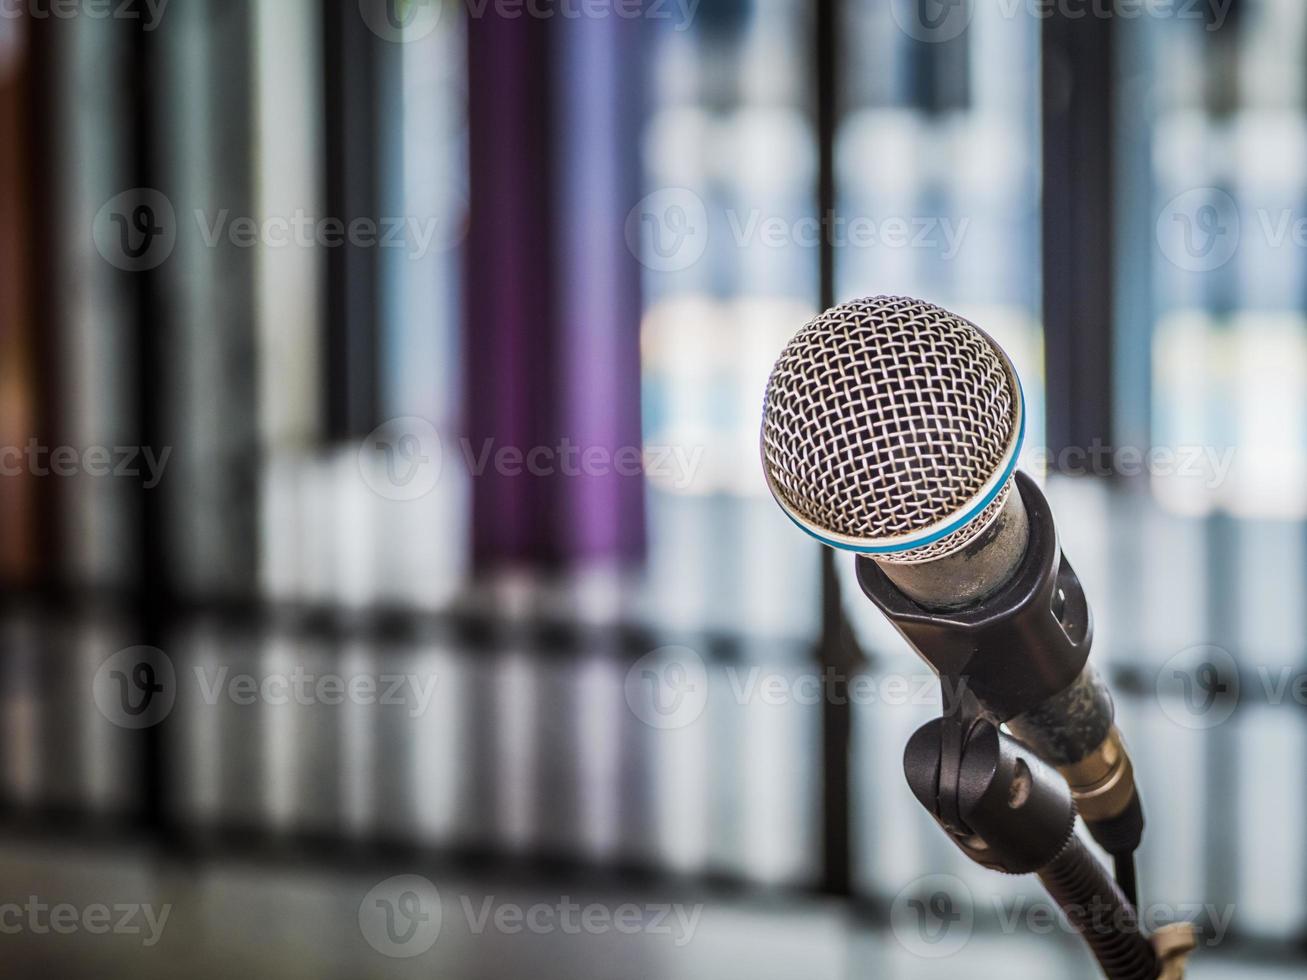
[972, 513]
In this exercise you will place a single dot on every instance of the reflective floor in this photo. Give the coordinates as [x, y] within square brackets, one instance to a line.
[241, 920]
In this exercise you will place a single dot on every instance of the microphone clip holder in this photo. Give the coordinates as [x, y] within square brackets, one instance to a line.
[1011, 812]
[992, 770]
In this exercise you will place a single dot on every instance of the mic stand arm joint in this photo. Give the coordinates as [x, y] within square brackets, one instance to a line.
[1009, 811]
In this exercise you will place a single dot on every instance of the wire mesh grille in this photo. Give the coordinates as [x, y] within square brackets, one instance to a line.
[884, 416]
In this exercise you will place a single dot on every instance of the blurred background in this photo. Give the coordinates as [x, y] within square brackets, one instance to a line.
[387, 565]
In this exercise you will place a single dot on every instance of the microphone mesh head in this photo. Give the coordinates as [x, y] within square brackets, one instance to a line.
[885, 421]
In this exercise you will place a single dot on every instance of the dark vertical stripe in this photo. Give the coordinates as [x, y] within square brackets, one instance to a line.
[510, 336]
[18, 381]
[231, 93]
[825, 53]
[835, 645]
[1221, 794]
[1078, 210]
[353, 118]
[1135, 301]
[941, 73]
[153, 596]
[43, 121]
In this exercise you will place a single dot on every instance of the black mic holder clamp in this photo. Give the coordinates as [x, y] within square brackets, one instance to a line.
[1009, 811]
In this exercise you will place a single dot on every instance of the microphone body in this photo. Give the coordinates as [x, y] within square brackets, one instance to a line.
[892, 428]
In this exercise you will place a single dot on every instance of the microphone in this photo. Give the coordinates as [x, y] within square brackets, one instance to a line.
[891, 429]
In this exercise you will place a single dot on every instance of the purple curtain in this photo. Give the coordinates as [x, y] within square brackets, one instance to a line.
[553, 294]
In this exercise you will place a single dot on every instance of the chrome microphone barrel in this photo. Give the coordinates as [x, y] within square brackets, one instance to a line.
[972, 573]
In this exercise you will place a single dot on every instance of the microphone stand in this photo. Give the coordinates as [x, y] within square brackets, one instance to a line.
[1027, 740]
[1019, 659]
[1009, 811]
